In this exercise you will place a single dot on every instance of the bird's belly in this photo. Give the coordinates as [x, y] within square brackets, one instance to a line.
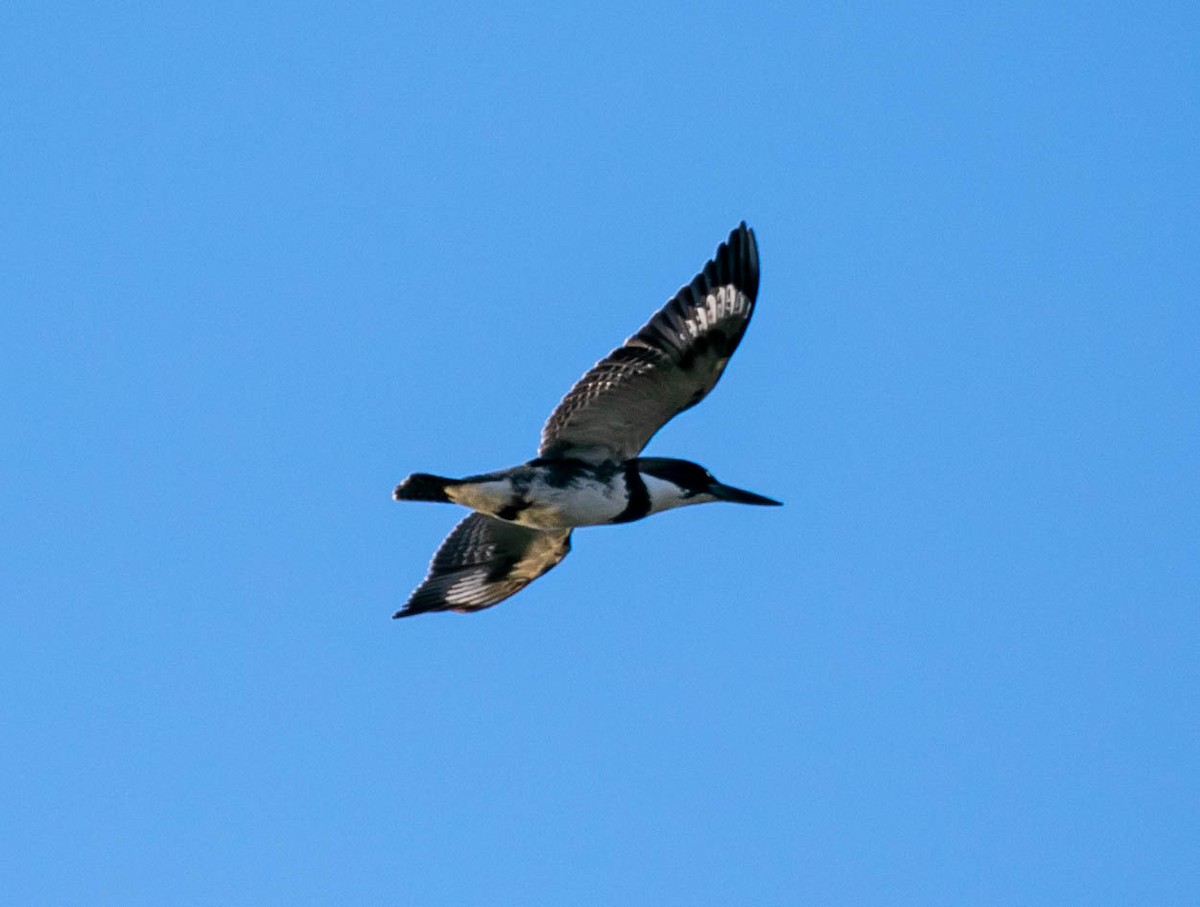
[533, 500]
[565, 508]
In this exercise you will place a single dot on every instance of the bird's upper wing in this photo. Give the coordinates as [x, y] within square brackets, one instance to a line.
[482, 562]
[666, 367]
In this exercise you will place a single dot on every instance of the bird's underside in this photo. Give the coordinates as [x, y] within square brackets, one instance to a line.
[601, 425]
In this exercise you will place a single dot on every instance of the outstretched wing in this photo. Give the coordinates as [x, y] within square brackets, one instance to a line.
[669, 365]
[482, 562]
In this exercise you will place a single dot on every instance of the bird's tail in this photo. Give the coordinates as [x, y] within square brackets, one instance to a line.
[421, 486]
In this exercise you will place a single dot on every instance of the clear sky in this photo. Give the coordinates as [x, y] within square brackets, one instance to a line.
[257, 265]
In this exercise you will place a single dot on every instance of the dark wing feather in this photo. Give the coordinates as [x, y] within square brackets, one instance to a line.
[669, 365]
[482, 562]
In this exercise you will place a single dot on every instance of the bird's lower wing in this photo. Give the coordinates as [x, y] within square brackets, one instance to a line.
[482, 562]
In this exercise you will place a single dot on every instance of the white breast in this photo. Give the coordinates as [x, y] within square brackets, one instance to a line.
[585, 504]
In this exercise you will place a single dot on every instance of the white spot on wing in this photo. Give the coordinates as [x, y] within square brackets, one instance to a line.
[465, 591]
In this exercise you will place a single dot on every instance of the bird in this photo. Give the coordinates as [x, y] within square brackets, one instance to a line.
[588, 470]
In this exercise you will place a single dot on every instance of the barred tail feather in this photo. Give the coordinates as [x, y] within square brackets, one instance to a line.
[421, 486]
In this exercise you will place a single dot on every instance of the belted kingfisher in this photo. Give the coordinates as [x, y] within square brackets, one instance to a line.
[587, 471]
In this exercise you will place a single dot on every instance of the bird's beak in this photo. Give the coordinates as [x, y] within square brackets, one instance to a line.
[737, 496]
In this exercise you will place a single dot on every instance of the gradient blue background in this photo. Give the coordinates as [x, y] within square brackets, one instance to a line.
[257, 265]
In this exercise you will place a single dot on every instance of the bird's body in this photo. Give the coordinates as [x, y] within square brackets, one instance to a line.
[588, 471]
[541, 494]
[568, 494]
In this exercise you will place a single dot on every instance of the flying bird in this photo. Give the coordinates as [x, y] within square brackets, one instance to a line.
[588, 471]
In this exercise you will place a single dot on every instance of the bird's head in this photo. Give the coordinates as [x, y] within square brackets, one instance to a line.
[694, 484]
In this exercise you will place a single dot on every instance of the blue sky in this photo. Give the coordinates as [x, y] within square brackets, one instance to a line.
[258, 265]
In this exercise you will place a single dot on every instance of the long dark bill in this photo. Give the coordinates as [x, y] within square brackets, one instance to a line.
[738, 496]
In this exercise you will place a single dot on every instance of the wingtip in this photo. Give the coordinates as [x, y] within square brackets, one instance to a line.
[742, 258]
